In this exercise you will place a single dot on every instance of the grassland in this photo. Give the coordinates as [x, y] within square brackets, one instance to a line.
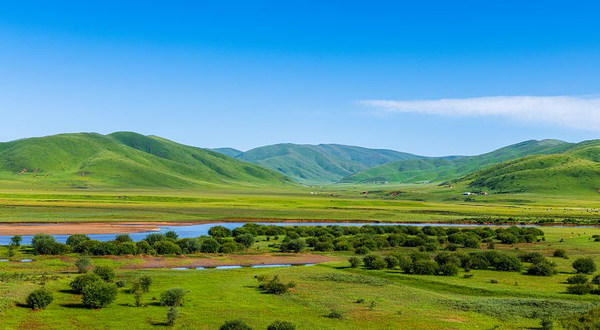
[403, 301]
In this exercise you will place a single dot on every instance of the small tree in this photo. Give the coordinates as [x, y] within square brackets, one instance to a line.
[84, 280]
[584, 265]
[39, 298]
[105, 272]
[16, 240]
[560, 253]
[374, 261]
[354, 262]
[172, 315]
[281, 325]
[145, 282]
[245, 239]
[274, 285]
[235, 325]
[172, 297]
[99, 294]
[82, 264]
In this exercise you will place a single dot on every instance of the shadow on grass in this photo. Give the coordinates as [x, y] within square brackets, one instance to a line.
[69, 291]
[74, 305]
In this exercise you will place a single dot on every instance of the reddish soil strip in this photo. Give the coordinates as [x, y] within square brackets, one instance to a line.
[233, 259]
[69, 228]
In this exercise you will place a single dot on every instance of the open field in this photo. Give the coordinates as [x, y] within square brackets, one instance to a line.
[391, 203]
[516, 301]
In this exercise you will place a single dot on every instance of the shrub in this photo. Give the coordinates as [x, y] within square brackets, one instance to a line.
[77, 239]
[82, 264]
[98, 294]
[544, 268]
[235, 325]
[84, 280]
[16, 240]
[472, 242]
[324, 246]
[508, 238]
[46, 244]
[167, 247]
[424, 267]
[584, 265]
[105, 272]
[281, 325]
[154, 237]
[245, 239]
[507, 263]
[579, 289]
[39, 298]
[172, 315]
[449, 269]
[274, 285]
[143, 247]
[210, 245]
[172, 297]
[145, 281]
[532, 257]
[577, 279]
[335, 314]
[354, 262]
[560, 253]
[126, 248]
[122, 238]
[392, 262]
[219, 231]
[362, 250]
[293, 245]
[229, 247]
[171, 235]
[374, 261]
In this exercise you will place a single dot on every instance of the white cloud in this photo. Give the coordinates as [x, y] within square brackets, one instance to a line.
[568, 111]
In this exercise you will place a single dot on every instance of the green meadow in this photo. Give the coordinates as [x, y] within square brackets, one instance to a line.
[366, 299]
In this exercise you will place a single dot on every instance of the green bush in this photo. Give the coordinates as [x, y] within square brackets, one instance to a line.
[560, 253]
[578, 279]
[579, 289]
[235, 325]
[392, 262]
[77, 239]
[274, 285]
[544, 268]
[281, 325]
[362, 250]
[82, 264]
[16, 240]
[448, 269]
[105, 272]
[219, 231]
[166, 247]
[84, 280]
[230, 247]
[172, 297]
[98, 294]
[245, 240]
[210, 245]
[584, 265]
[46, 244]
[143, 247]
[122, 238]
[374, 261]
[39, 298]
[585, 321]
[172, 315]
[354, 262]
[424, 267]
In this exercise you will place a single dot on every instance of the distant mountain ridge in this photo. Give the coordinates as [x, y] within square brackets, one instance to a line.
[439, 169]
[123, 159]
[323, 163]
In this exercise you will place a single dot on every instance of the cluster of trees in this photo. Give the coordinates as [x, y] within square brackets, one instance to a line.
[367, 238]
[580, 283]
[220, 240]
[96, 288]
[444, 263]
[241, 325]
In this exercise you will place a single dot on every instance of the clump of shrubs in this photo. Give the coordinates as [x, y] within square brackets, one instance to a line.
[354, 262]
[173, 297]
[39, 298]
[273, 285]
[584, 265]
[374, 261]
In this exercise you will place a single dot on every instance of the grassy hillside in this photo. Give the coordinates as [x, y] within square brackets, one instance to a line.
[122, 160]
[231, 152]
[323, 163]
[446, 168]
[575, 170]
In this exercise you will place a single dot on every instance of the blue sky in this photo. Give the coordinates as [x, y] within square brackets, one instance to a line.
[428, 77]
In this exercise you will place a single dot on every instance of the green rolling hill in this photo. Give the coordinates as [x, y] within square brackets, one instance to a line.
[231, 152]
[448, 168]
[575, 170]
[123, 159]
[323, 163]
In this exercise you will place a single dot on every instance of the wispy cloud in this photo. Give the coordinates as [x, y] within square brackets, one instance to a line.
[567, 111]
